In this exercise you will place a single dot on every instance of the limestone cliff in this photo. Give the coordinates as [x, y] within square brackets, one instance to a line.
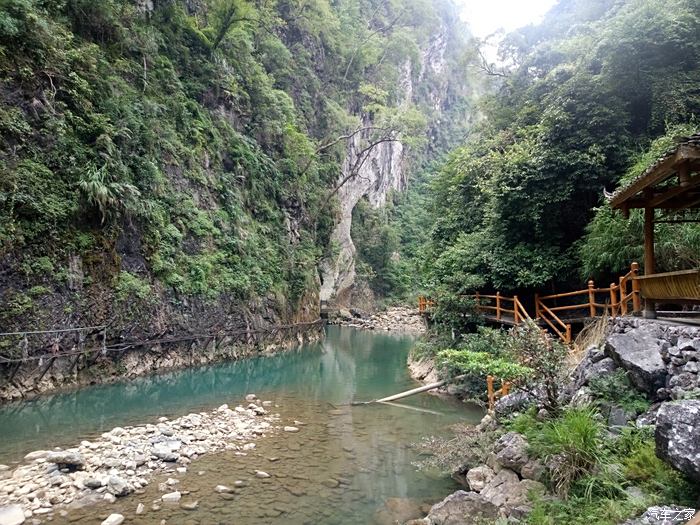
[425, 84]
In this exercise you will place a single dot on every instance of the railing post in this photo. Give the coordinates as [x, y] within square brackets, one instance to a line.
[537, 306]
[591, 297]
[636, 298]
[489, 389]
[498, 306]
[477, 296]
[613, 300]
[568, 333]
[623, 296]
[505, 388]
[515, 309]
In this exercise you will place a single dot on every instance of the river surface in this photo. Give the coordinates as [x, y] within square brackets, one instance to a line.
[346, 465]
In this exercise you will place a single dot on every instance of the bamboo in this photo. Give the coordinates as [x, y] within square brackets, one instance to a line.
[411, 392]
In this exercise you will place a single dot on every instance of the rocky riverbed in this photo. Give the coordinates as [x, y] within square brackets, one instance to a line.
[396, 318]
[123, 461]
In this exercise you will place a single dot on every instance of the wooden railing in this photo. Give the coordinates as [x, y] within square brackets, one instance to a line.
[493, 394]
[625, 292]
[617, 299]
[424, 304]
[498, 304]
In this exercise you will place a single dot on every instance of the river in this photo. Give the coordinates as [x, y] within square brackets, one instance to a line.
[341, 468]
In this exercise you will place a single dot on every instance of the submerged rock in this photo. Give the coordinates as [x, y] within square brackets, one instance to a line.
[171, 497]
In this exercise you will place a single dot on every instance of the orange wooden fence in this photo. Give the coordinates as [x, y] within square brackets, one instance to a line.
[617, 299]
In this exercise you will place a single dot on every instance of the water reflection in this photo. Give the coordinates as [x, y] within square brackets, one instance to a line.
[365, 447]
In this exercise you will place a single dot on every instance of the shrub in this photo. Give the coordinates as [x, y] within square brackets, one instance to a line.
[616, 388]
[466, 449]
[571, 445]
[129, 286]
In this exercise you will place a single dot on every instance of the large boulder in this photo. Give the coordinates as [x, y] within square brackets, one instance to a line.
[68, 458]
[678, 436]
[462, 508]
[508, 492]
[511, 451]
[639, 352]
[515, 402]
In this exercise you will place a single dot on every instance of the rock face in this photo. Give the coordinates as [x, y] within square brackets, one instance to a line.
[462, 508]
[639, 353]
[678, 436]
[373, 174]
[381, 171]
[637, 345]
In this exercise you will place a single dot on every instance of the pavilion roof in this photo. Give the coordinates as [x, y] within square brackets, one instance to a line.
[656, 187]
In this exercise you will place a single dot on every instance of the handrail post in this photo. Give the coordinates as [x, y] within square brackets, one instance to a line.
[568, 333]
[613, 300]
[537, 306]
[591, 297]
[498, 306]
[623, 296]
[636, 299]
[515, 309]
[489, 388]
[478, 301]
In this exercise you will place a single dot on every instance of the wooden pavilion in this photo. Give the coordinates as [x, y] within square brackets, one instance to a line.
[671, 184]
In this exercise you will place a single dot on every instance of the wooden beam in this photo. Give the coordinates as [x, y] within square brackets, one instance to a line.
[649, 260]
[659, 173]
[687, 183]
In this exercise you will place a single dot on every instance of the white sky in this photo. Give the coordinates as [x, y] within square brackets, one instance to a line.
[486, 16]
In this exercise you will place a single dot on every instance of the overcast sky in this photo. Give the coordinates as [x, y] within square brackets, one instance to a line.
[486, 16]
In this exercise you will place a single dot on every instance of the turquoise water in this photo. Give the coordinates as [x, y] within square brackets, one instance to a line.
[367, 447]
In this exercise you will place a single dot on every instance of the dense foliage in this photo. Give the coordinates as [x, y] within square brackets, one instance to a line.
[188, 149]
[583, 94]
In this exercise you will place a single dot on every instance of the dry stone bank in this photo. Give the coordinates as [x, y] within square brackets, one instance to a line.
[123, 460]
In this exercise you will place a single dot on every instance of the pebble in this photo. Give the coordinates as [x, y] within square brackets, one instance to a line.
[121, 460]
[190, 505]
[140, 508]
[291, 429]
[171, 497]
[114, 519]
[223, 489]
[261, 474]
